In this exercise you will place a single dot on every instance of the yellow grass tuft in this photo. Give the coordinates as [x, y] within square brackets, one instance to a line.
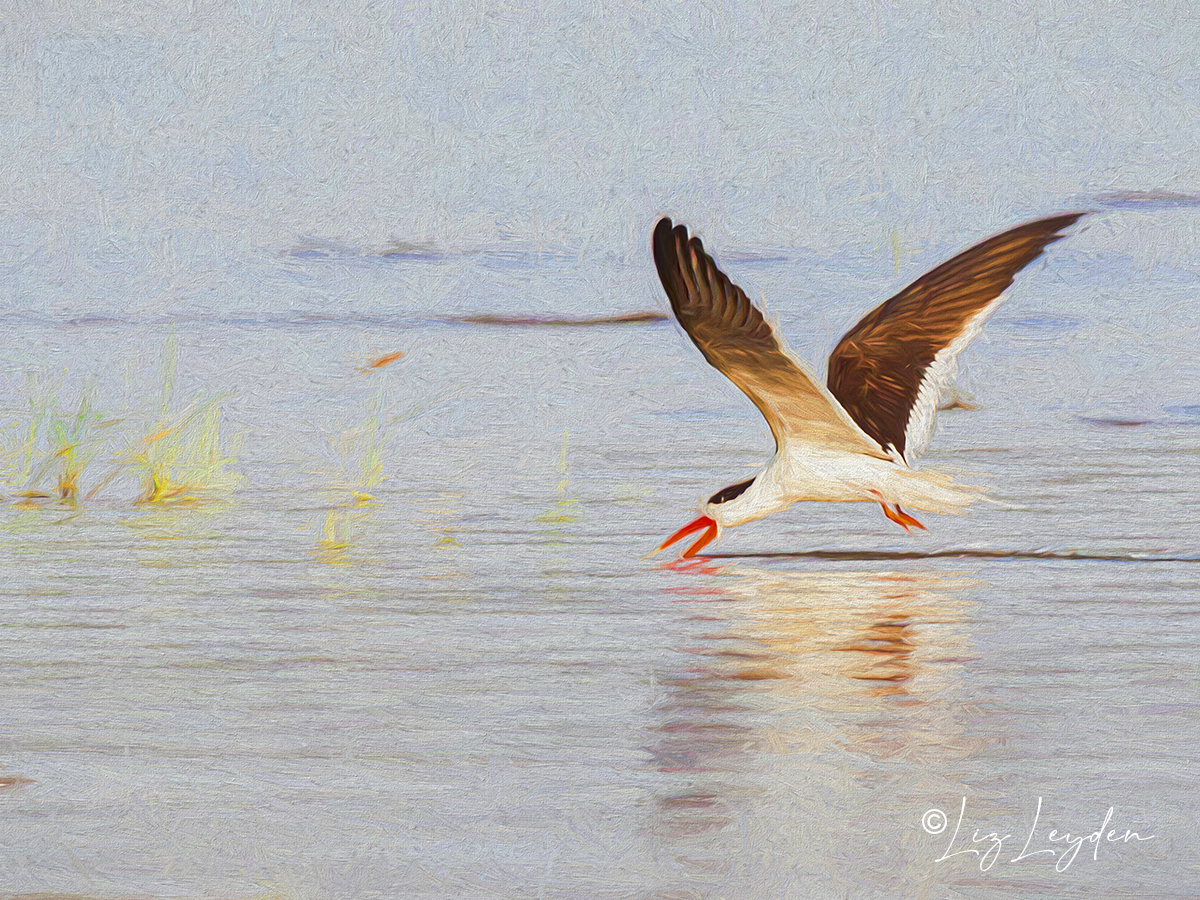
[561, 513]
[183, 464]
[48, 454]
[358, 455]
[340, 533]
[183, 459]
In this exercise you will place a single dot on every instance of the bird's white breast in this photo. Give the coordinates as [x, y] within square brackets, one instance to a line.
[830, 476]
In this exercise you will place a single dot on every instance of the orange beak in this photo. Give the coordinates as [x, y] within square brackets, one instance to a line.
[704, 522]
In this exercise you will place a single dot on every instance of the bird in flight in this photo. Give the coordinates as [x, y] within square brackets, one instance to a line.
[851, 439]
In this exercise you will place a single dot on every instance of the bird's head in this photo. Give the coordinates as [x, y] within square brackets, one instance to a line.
[719, 512]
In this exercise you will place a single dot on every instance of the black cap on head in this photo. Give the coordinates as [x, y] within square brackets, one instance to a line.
[726, 494]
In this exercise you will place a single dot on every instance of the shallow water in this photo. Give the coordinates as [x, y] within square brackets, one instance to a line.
[474, 685]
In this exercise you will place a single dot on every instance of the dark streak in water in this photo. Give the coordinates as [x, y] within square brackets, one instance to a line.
[861, 555]
[401, 251]
[628, 319]
[1114, 423]
[747, 258]
[1148, 200]
[95, 322]
[318, 320]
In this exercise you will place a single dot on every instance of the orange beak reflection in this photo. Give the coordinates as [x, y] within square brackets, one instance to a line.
[704, 522]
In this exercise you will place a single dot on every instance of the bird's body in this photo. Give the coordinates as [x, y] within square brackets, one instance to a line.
[851, 439]
[798, 473]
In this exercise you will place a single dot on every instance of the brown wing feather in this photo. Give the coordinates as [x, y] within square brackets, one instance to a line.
[875, 371]
[736, 339]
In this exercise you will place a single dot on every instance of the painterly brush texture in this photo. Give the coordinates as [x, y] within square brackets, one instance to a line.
[340, 402]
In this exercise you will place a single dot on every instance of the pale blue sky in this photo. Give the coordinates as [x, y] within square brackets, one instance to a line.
[167, 133]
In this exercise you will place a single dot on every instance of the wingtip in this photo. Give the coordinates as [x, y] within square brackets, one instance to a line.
[667, 238]
[1061, 224]
[1065, 220]
[1044, 231]
[663, 230]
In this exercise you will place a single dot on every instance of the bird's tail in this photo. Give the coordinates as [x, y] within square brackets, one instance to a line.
[933, 491]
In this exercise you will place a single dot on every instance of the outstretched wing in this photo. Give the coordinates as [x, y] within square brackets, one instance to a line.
[889, 371]
[737, 341]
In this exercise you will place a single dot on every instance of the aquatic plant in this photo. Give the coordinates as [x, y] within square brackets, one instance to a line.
[357, 454]
[74, 451]
[341, 532]
[561, 512]
[355, 470]
[46, 454]
[184, 463]
[182, 459]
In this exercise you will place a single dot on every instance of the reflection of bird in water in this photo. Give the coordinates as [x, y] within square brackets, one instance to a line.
[852, 439]
[837, 642]
[799, 672]
[836, 637]
[804, 707]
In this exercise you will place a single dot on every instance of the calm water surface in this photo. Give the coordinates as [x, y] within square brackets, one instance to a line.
[474, 686]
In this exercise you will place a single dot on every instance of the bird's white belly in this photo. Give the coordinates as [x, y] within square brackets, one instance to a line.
[834, 477]
[827, 476]
[848, 478]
